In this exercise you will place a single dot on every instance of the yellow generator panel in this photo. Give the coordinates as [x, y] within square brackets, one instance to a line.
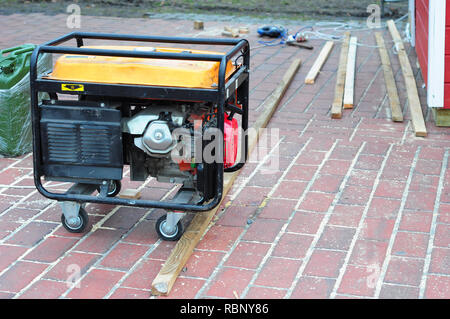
[140, 71]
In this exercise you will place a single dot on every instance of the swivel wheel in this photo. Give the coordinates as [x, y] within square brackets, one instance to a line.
[168, 232]
[76, 224]
[114, 187]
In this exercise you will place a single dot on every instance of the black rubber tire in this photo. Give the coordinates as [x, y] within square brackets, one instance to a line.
[84, 222]
[112, 191]
[172, 237]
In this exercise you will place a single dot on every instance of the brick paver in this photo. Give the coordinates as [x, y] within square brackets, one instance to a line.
[352, 208]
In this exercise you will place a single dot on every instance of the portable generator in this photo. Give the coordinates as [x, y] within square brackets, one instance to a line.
[116, 105]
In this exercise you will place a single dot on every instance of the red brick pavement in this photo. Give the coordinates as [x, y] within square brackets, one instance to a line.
[356, 207]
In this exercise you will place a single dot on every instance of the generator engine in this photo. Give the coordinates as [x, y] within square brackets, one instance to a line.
[169, 141]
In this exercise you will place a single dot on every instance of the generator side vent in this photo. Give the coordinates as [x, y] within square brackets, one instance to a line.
[95, 144]
[78, 144]
[81, 142]
[62, 143]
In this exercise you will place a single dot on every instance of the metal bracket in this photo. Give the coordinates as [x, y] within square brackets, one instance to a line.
[71, 213]
[104, 187]
[183, 196]
[172, 219]
[71, 210]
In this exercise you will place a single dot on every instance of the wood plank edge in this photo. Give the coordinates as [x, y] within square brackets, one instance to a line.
[319, 62]
[391, 87]
[336, 108]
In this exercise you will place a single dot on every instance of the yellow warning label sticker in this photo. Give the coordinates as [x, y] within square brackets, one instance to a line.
[72, 87]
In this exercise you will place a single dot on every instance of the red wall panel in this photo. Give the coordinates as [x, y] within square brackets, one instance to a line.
[422, 36]
[447, 39]
[447, 95]
[447, 74]
[422, 7]
[447, 13]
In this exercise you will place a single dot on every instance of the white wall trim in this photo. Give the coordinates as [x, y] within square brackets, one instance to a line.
[436, 53]
[412, 21]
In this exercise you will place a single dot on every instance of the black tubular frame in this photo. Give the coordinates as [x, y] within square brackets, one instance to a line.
[218, 96]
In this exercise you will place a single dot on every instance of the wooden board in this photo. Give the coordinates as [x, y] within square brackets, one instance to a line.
[349, 91]
[244, 30]
[130, 193]
[391, 86]
[336, 107]
[410, 83]
[231, 32]
[180, 254]
[441, 117]
[320, 61]
[199, 25]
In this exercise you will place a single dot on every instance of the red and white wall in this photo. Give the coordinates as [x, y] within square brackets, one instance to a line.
[430, 24]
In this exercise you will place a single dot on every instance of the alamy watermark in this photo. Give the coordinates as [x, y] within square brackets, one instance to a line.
[74, 19]
[374, 271]
[203, 147]
[74, 272]
[374, 19]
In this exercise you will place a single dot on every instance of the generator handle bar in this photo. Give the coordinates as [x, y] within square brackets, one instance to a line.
[79, 36]
[130, 54]
[52, 46]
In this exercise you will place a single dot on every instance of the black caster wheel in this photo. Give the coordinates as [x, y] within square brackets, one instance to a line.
[114, 187]
[174, 236]
[79, 225]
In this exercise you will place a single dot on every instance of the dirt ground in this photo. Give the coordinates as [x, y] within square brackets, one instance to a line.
[290, 9]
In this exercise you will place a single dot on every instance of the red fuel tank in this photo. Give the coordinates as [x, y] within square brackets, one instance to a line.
[231, 138]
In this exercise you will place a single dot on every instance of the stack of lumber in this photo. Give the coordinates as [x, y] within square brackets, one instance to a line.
[345, 82]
